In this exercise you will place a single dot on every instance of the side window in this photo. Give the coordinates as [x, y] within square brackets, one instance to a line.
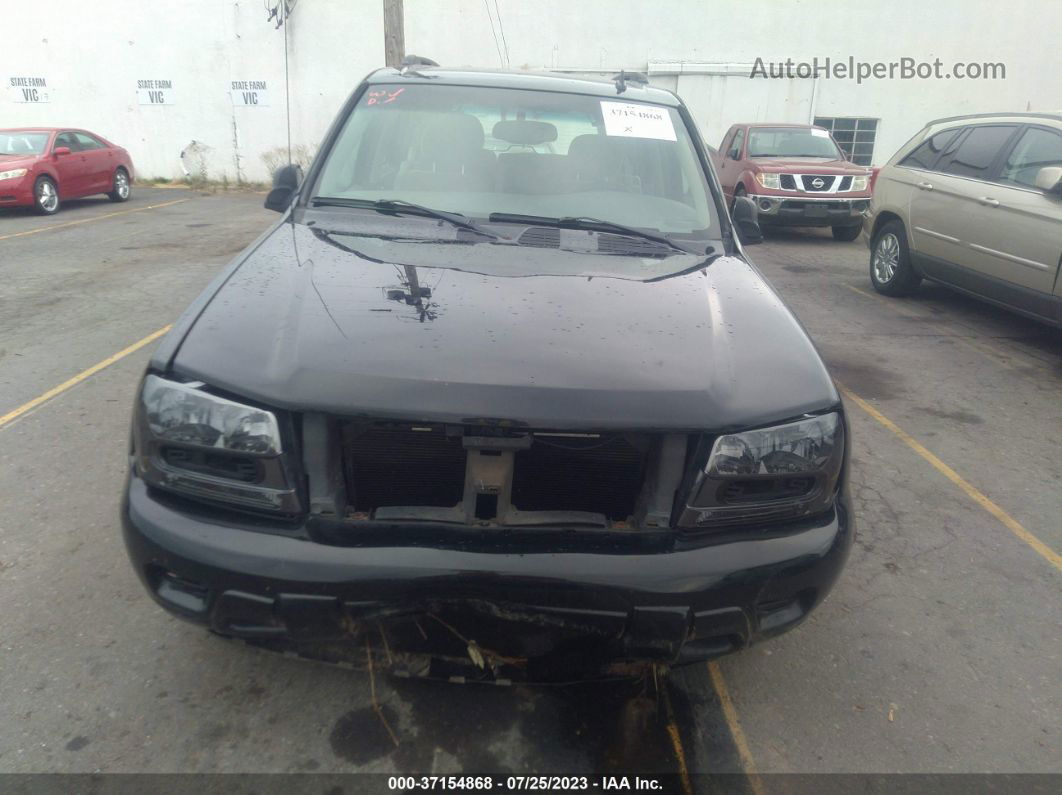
[977, 152]
[67, 139]
[1036, 148]
[927, 152]
[735, 148]
[87, 142]
[724, 146]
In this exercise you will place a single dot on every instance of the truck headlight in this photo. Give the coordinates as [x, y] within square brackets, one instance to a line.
[769, 474]
[14, 173]
[179, 412]
[860, 183]
[198, 444]
[772, 181]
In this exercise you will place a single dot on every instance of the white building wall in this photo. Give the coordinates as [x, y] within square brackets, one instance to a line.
[93, 54]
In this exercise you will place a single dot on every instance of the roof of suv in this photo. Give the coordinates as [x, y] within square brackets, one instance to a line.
[1052, 115]
[535, 81]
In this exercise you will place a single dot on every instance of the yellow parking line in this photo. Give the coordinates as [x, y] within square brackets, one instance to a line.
[77, 379]
[88, 220]
[1006, 519]
[736, 732]
[676, 744]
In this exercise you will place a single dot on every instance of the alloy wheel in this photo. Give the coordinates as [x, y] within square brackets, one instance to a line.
[47, 197]
[886, 258]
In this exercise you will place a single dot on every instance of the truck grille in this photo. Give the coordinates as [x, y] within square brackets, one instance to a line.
[405, 465]
[601, 475]
[398, 465]
[817, 183]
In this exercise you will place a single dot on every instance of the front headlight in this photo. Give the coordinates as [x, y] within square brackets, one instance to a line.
[769, 474]
[804, 446]
[198, 444]
[772, 181]
[182, 413]
[14, 173]
[860, 183]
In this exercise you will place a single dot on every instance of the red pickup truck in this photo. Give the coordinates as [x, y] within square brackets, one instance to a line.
[797, 175]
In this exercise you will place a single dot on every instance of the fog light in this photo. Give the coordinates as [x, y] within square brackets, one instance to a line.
[765, 204]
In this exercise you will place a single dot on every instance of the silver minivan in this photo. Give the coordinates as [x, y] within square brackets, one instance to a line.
[975, 203]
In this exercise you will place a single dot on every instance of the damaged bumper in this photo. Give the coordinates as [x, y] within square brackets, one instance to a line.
[675, 600]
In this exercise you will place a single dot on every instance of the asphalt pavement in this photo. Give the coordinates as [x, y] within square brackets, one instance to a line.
[938, 651]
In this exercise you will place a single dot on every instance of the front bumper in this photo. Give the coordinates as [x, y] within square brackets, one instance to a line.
[16, 192]
[779, 210]
[679, 602]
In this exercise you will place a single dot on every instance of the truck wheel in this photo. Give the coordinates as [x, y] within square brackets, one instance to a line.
[738, 192]
[890, 261]
[46, 196]
[846, 233]
[120, 188]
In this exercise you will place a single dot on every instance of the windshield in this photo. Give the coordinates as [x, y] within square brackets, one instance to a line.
[23, 143]
[792, 142]
[481, 151]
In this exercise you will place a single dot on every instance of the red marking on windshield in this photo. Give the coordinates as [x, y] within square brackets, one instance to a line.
[383, 96]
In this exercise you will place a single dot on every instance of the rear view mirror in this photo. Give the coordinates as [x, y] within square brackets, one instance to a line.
[746, 221]
[1049, 179]
[61, 150]
[286, 182]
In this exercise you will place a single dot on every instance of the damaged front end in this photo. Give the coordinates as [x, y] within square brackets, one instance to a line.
[481, 550]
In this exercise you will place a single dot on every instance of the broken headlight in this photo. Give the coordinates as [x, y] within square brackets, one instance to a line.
[190, 441]
[769, 474]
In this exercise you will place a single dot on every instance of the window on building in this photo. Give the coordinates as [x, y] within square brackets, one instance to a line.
[856, 136]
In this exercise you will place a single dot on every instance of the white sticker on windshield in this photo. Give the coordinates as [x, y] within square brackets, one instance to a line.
[629, 120]
[820, 133]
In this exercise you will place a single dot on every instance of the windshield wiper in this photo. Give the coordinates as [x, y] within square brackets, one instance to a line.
[402, 206]
[584, 223]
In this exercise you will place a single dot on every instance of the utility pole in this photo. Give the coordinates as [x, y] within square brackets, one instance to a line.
[394, 32]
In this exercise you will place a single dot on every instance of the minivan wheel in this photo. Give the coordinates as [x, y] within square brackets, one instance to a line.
[846, 233]
[46, 196]
[890, 261]
[121, 190]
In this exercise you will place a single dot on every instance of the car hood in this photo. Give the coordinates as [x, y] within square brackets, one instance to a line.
[802, 165]
[319, 322]
[9, 163]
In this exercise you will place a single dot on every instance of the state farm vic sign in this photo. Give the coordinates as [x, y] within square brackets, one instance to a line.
[28, 89]
[155, 92]
[249, 93]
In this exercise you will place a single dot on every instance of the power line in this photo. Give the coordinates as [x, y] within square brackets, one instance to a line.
[501, 29]
[486, 5]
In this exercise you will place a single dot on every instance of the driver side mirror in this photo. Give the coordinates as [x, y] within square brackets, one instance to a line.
[286, 182]
[734, 154]
[745, 217]
[61, 150]
[1049, 179]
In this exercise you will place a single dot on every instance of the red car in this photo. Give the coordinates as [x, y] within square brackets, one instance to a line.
[41, 167]
[797, 175]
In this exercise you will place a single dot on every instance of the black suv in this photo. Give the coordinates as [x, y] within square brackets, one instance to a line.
[500, 387]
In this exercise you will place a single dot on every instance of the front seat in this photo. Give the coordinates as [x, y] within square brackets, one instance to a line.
[449, 157]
